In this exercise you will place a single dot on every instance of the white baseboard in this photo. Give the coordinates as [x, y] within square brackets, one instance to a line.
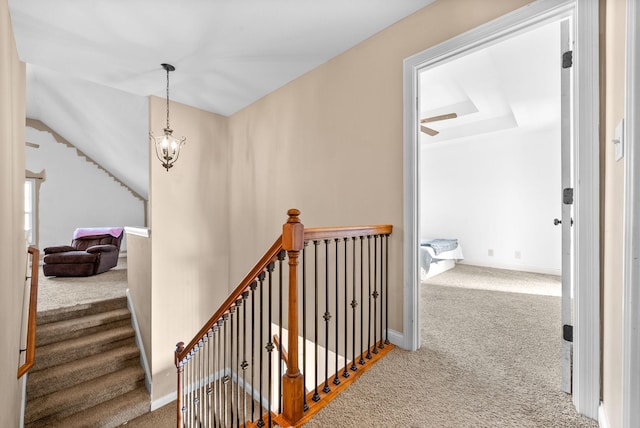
[602, 417]
[505, 266]
[396, 338]
[143, 354]
[163, 401]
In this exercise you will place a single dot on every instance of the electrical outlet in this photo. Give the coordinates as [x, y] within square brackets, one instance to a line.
[517, 255]
[490, 252]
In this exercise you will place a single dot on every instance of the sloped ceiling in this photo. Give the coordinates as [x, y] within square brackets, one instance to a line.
[93, 63]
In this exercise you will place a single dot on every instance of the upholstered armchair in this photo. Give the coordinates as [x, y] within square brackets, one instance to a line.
[92, 251]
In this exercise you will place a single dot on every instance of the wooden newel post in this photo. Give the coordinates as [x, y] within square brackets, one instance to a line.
[293, 381]
[179, 348]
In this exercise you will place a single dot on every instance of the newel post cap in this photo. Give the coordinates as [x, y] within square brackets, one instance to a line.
[293, 232]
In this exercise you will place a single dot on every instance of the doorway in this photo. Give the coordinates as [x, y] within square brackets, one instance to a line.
[586, 342]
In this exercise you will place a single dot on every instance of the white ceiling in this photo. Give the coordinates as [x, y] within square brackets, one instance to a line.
[91, 64]
[514, 83]
[227, 53]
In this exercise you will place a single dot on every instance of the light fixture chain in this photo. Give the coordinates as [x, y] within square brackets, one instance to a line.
[168, 99]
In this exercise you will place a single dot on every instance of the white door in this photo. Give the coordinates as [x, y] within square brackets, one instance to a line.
[566, 200]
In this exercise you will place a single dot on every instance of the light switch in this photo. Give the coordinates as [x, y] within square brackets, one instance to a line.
[618, 140]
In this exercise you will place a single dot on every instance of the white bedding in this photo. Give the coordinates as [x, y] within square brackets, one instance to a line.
[445, 255]
[441, 262]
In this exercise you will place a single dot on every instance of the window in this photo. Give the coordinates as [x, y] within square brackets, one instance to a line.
[29, 211]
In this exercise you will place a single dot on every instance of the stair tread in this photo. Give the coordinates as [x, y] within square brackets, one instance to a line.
[62, 376]
[54, 315]
[79, 397]
[51, 332]
[112, 413]
[84, 321]
[61, 352]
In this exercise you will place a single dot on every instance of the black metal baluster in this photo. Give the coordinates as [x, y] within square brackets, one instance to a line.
[316, 395]
[336, 379]
[194, 375]
[386, 289]
[354, 304]
[189, 394]
[216, 373]
[188, 389]
[261, 279]
[270, 346]
[197, 401]
[361, 361]
[326, 317]
[253, 286]
[369, 296]
[184, 392]
[199, 383]
[183, 408]
[281, 256]
[345, 372]
[237, 383]
[207, 379]
[232, 311]
[217, 339]
[375, 294]
[192, 367]
[382, 295]
[203, 380]
[304, 321]
[245, 364]
[227, 377]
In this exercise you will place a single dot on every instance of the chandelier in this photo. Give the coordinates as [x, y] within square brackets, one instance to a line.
[167, 146]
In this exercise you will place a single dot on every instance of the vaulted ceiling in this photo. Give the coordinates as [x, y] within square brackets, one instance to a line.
[92, 64]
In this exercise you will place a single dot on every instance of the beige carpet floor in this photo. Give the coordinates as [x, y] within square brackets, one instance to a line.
[60, 292]
[488, 359]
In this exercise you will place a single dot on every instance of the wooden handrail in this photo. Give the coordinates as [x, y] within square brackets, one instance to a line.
[31, 322]
[268, 257]
[285, 354]
[346, 232]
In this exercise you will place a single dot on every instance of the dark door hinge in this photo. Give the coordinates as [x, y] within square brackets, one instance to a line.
[567, 333]
[567, 59]
[567, 196]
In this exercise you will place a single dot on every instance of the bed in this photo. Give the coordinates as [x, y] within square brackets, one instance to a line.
[438, 255]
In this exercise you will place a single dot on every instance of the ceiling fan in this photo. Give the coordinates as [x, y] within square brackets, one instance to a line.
[431, 131]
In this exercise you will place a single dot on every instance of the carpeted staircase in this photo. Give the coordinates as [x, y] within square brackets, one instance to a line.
[87, 370]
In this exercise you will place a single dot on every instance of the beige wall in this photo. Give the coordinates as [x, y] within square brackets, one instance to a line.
[139, 282]
[613, 214]
[12, 243]
[189, 220]
[330, 143]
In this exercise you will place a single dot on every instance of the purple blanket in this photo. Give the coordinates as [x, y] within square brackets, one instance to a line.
[90, 231]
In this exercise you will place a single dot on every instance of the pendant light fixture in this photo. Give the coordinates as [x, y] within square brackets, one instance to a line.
[167, 146]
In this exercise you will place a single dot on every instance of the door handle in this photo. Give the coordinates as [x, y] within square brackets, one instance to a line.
[556, 221]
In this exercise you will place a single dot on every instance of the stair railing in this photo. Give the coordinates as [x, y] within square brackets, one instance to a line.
[30, 349]
[250, 366]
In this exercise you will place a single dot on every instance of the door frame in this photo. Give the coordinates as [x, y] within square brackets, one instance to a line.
[631, 281]
[586, 358]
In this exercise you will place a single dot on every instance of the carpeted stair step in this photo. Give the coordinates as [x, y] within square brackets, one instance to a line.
[43, 382]
[46, 410]
[81, 326]
[68, 350]
[81, 310]
[112, 413]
